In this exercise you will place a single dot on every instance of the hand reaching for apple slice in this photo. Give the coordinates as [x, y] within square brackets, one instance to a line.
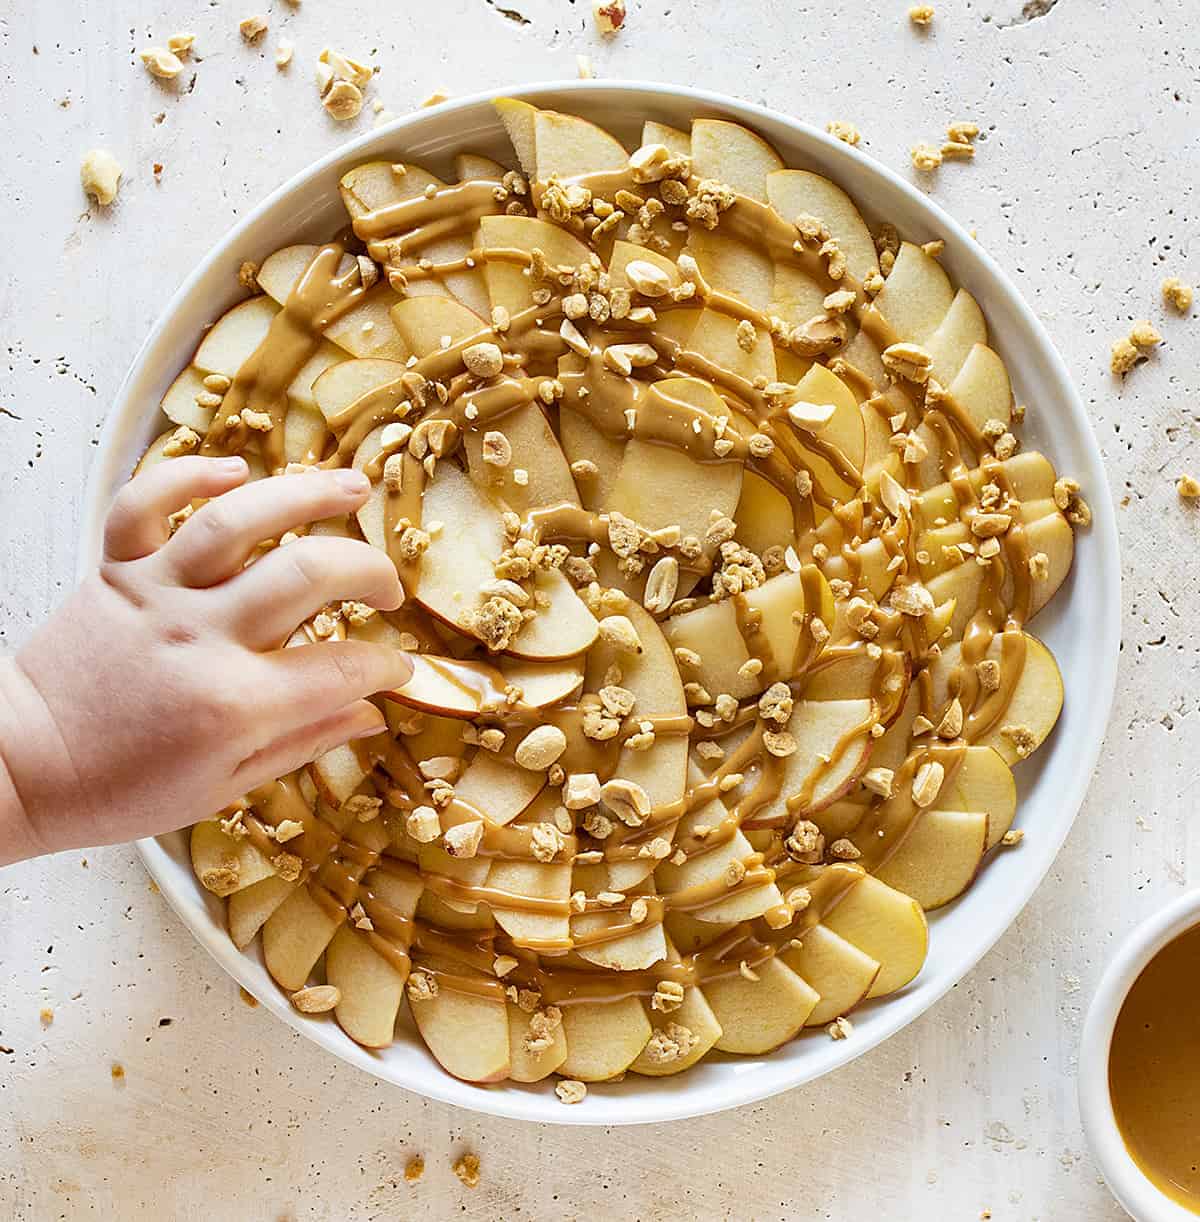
[159, 692]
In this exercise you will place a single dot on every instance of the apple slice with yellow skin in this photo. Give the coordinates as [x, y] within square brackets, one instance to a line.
[295, 936]
[675, 141]
[713, 632]
[471, 167]
[632, 952]
[347, 382]
[764, 515]
[372, 987]
[734, 267]
[153, 453]
[568, 146]
[1029, 474]
[563, 626]
[841, 973]
[304, 434]
[819, 727]
[916, 295]
[466, 1032]
[734, 155]
[582, 441]
[697, 1016]
[536, 453]
[535, 879]
[250, 908]
[885, 924]
[660, 486]
[461, 558]
[603, 1038]
[956, 335]
[939, 857]
[179, 402]
[375, 184]
[715, 337]
[793, 193]
[278, 276]
[526, 1066]
[424, 323]
[713, 864]
[519, 119]
[982, 387]
[214, 854]
[233, 338]
[543, 683]
[338, 773]
[497, 787]
[507, 284]
[759, 1015]
[433, 910]
[1036, 698]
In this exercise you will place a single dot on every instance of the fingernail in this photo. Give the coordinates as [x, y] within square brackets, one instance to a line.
[234, 466]
[352, 481]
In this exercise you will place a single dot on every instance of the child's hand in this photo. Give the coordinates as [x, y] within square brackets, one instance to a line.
[159, 692]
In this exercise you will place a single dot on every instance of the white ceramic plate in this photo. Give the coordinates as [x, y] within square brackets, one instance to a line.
[1081, 625]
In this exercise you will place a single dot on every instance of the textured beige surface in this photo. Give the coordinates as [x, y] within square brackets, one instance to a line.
[1083, 188]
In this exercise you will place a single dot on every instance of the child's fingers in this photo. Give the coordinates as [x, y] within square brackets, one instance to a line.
[358, 720]
[218, 539]
[137, 521]
[308, 679]
[266, 601]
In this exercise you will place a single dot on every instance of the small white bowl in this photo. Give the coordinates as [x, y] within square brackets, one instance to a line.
[1139, 1197]
[1081, 626]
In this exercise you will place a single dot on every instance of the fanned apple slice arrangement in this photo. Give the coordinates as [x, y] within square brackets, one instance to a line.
[719, 554]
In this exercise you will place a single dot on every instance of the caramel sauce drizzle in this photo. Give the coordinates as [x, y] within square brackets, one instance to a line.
[338, 869]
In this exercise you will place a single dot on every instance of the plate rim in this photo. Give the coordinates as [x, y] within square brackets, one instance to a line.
[897, 1012]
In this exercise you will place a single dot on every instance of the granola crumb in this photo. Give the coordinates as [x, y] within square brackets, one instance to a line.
[1012, 837]
[414, 1169]
[1131, 348]
[842, 129]
[840, 1029]
[118, 1072]
[317, 998]
[926, 157]
[46, 1014]
[1188, 487]
[571, 1091]
[1177, 294]
[252, 28]
[161, 63]
[467, 1170]
[921, 14]
[1023, 739]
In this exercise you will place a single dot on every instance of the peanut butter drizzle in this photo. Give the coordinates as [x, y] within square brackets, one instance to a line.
[339, 871]
[319, 298]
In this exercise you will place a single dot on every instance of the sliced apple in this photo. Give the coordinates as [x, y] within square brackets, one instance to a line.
[229, 863]
[734, 155]
[603, 1038]
[758, 1015]
[885, 924]
[840, 972]
[939, 857]
[568, 146]
[793, 193]
[675, 141]
[532, 1066]
[295, 936]
[250, 908]
[519, 119]
[466, 1032]
[916, 294]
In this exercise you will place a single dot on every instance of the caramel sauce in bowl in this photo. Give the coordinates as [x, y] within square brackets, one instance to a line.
[1139, 1068]
[1081, 626]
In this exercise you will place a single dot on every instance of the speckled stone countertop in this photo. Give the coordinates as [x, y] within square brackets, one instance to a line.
[1084, 189]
